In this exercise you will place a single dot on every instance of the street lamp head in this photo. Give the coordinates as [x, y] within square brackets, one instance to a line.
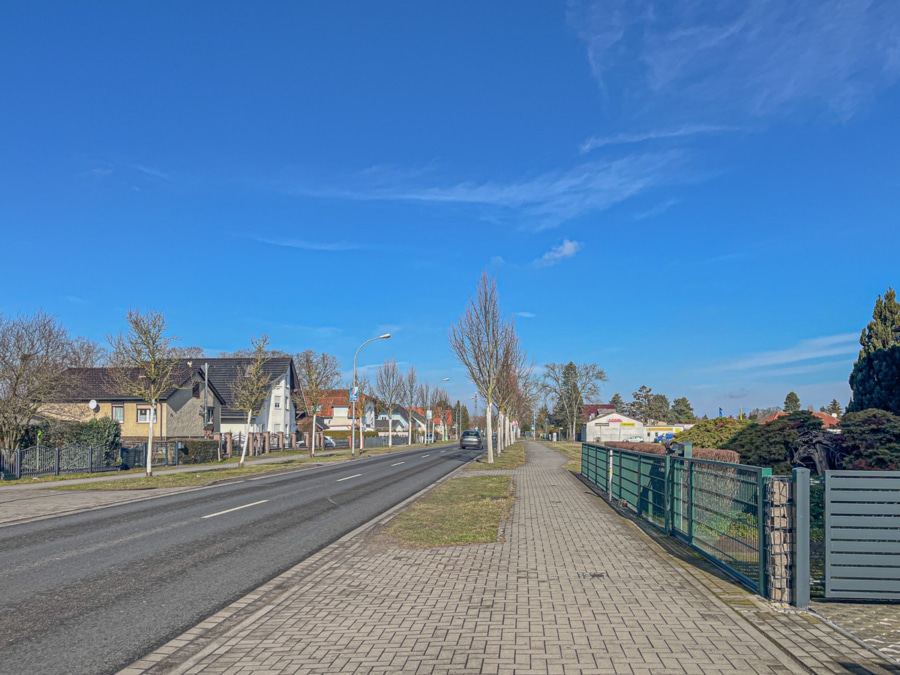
[446, 379]
[386, 336]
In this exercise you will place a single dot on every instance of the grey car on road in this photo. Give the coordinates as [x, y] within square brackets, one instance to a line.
[471, 438]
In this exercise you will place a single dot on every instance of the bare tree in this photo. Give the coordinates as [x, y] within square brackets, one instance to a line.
[571, 384]
[316, 374]
[250, 388]
[513, 388]
[410, 392]
[189, 353]
[34, 350]
[478, 340]
[423, 401]
[250, 352]
[364, 386]
[143, 365]
[86, 353]
[389, 390]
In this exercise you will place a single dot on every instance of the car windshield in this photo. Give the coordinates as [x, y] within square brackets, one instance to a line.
[471, 433]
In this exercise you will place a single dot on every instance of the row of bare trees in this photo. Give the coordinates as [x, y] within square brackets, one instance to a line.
[488, 346]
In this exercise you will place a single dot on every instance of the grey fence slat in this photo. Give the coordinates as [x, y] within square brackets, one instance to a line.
[854, 546]
[864, 496]
[870, 509]
[843, 572]
[870, 585]
[853, 534]
[856, 558]
[876, 480]
[865, 520]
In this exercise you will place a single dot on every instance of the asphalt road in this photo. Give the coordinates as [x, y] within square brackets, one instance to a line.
[92, 592]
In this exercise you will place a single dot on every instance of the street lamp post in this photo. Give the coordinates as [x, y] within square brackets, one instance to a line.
[386, 336]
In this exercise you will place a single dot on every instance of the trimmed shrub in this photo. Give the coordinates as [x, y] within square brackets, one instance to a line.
[198, 452]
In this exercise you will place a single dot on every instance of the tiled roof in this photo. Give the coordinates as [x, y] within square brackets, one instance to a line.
[224, 371]
[330, 398]
[827, 420]
[84, 384]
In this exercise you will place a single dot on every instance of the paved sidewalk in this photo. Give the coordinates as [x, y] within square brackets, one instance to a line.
[573, 587]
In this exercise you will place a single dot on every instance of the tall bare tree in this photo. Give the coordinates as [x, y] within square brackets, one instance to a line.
[571, 384]
[478, 340]
[410, 392]
[143, 364]
[514, 393]
[34, 351]
[250, 388]
[389, 390]
[316, 374]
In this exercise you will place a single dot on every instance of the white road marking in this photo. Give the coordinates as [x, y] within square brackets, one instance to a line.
[236, 508]
[356, 475]
[398, 463]
[424, 456]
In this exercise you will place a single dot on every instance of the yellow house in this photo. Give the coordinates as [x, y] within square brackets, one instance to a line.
[91, 393]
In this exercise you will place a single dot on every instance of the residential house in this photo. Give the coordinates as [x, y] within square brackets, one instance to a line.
[400, 420]
[93, 393]
[278, 413]
[336, 409]
[439, 424]
[591, 410]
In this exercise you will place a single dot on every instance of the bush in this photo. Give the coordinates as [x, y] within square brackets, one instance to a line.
[716, 433]
[870, 439]
[773, 444]
[713, 454]
[198, 452]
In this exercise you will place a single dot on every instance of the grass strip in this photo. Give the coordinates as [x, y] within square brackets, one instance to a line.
[460, 511]
[570, 450]
[512, 457]
[192, 479]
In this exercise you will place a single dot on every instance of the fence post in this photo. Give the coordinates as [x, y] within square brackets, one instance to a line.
[689, 505]
[18, 463]
[763, 552]
[91, 459]
[57, 460]
[801, 538]
[640, 476]
[667, 496]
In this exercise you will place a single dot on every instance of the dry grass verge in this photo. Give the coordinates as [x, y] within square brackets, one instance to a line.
[512, 457]
[458, 512]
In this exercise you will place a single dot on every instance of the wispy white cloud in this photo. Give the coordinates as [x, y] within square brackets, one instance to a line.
[526, 315]
[557, 254]
[807, 350]
[741, 61]
[311, 245]
[595, 142]
[150, 171]
[657, 210]
[545, 200]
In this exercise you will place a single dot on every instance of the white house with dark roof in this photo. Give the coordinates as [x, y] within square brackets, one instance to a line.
[277, 414]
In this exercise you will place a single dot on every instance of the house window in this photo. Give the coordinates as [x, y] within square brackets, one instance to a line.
[277, 404]
[118, 413]
[143, 416]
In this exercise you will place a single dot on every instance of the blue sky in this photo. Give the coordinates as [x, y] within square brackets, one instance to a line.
[700, 197]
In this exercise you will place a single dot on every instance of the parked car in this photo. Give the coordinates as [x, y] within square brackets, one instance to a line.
[634, 439]
[471, 438]
[329, 442]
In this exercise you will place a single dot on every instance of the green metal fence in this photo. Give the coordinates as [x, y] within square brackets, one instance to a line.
[717, 508]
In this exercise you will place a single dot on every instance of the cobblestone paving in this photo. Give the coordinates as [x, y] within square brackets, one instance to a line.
[572, 588]
[877, 624]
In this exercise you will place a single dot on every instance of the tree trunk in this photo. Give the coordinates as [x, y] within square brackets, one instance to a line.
[246, 442]
[149, 461]
[312, 444]
[490, 440]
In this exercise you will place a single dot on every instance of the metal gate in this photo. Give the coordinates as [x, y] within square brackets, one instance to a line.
[862, 535]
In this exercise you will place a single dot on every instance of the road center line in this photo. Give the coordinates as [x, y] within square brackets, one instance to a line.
[236, 508]
[356, 475]
[398, 463]
[424, 456]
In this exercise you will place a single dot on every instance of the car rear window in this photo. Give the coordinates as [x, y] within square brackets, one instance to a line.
[470, 433]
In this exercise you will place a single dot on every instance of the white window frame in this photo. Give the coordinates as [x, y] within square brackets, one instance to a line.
[147, 420]
[120, 409]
